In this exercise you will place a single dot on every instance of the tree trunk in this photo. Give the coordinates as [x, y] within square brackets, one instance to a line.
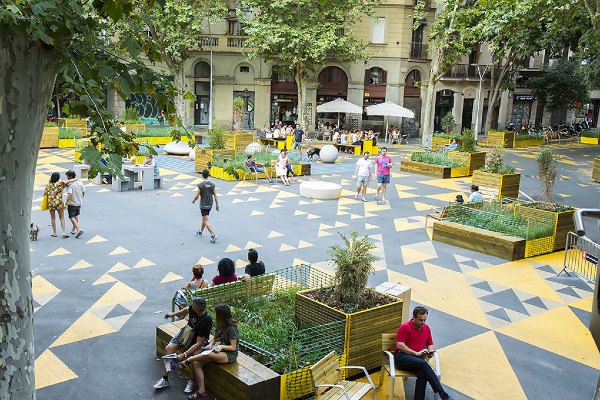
[27, 76]
[428, 109]
[300, 77]
[179, 86]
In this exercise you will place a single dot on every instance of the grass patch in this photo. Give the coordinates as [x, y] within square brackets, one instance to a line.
[65, 133]
[594, 134]
[429, 157]
[525, 136]
[451, 135]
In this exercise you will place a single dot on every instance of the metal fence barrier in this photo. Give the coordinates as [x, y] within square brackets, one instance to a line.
[581, 257]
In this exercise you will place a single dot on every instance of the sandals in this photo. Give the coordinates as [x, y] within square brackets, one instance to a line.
[196, 396]
[65, 236]
[53, 235]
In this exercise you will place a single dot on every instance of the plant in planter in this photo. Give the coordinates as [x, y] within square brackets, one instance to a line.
[448, 122]
[238, 113]
[216, 138]
[430, 157]
[494, 162]
[365, 311]
[496, 175]
[546, 162]
[132, 116]
[467, 143]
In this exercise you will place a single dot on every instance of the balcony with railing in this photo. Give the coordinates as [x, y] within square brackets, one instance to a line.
[465, 71]
[222, 43]
[419, 51]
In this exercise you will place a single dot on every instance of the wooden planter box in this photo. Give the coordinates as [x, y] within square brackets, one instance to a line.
[362, 344]
[596, 170]
[205, 156]
[66, 143]
[563, 222]
[528, 142]
[239, 140]
[589, 140]
[49, 137]
[474, 161]
[135, 128]
[74, 124]
[480, 240]
[438, 143]
[507, 185]
[437, 171]
[505, 139]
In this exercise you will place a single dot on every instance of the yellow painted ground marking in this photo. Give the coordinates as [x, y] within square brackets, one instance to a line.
[457, 366]
[50, 370]
[231, 248]
[118, 250]
[519, 275]
[274, 234]
[558, 331]
[422, 206]
[105, 279]
[143, 263]
[171, 277]
[59, 252]
[80, 265]
[119, 266]
[96, 239]
[252, 245]
[255, 213]
[286, 247]
[302, 244]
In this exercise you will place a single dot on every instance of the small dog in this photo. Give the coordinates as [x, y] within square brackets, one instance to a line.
[33, 232]
[313, 151]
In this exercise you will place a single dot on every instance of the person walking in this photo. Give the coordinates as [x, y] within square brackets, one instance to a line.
[384, 163]
[75, 194]
[54, 193]
[363, 174]
[206, 192]
[298, 136]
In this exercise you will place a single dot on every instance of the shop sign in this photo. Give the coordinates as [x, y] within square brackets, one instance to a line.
[524, 97]
[284, 96]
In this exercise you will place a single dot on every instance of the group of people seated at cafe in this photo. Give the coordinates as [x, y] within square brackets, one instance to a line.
[278, 130]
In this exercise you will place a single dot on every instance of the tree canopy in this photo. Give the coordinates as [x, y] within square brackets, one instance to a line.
[562, 84]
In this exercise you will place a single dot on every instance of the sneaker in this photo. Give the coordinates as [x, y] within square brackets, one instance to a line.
[213, 239]
[198, 233]
[161, 383]
[376, 198]
[189, 388]
[365, 200]
[356, 196]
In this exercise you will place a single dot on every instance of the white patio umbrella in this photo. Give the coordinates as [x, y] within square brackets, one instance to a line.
[339, 106]
[389, 109]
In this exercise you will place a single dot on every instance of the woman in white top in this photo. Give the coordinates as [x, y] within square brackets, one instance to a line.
[281, 167]
[276, 133]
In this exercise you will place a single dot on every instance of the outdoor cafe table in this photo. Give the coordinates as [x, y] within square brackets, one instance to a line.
[147, 172]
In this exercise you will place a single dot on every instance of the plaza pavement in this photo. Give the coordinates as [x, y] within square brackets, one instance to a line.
[504, 330]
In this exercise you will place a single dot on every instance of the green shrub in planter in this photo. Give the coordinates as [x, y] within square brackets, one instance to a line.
[594, 134]
[494, 162]
[451, 135]
[429, 157]
[468, 143]
[65, 133]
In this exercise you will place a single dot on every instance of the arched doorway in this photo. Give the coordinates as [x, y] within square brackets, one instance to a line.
[412, 101]
[202, 92]
[374, 93]
[444, 102]
[333, 83]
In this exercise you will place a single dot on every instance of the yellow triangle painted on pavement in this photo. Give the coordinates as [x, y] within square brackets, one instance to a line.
[105, 279]
[323, 234]
[97, 239]
[41, 286]
[118, 250]
[299, 212]
[274, 234]
[457, 359]
[85, 327]
[286, 247]
[80, 264]
[339, 224]
[298, 261]
[442, 183]
[302, 202]
[231, 248]
[143, 263]
[204, 261]
[59, 252]
[370, 226]
[103, 190]
[312, 216]
[50, 370]
[345, 201]
[302, 244]
[119, 266]
[176, 195]
[422, 206]
[285, 195]
[252, 245]
[255, 213]
[406, 195]
[263, 189]
[170, 277]
[325, 226]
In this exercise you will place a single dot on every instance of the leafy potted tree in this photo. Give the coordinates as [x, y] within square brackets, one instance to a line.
[546, 208]
[366, 312]
[441, 139]
[467, 152]
[216, 145]
[495, 174]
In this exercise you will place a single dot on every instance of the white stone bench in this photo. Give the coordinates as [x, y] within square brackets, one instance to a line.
[320, 190]
[81, 170]
[177, 148]
[119, 185]
[158, 182]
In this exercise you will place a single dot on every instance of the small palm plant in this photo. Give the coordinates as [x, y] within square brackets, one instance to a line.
[353, 263]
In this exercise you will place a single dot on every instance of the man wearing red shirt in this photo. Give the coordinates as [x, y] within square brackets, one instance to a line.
[413, 344]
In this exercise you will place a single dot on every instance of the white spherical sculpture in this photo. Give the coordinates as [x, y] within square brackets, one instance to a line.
[253, 148]
[177, 148]
[329, 153]
[320, 190]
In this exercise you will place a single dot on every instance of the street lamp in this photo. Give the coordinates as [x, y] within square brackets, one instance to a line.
[478, 98]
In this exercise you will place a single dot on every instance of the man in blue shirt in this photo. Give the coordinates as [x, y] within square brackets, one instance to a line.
[475, 196]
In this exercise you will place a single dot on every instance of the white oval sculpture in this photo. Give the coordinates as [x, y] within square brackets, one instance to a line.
[177, 148]
[328, 154]
[253, 148]
[192, 154]
[320, 190]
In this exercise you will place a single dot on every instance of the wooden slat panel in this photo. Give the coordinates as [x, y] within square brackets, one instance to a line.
[480, 240]
[437, 171]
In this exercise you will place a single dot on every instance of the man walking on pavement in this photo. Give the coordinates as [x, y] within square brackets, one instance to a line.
[384, 163]
[206, 192]
[75, 194]
[298, 136]
[363, 174]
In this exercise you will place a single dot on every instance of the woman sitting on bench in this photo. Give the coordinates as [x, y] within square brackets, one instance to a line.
[223, 349]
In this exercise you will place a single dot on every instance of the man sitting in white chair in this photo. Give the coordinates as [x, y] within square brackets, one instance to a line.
[413, 344]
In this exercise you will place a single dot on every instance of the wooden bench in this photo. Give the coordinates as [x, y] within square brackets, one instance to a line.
[388, 344]
[245, 379]
[490, 194]
[355, 149]
[268, 142]
[81, 170]
[438, 214]
[325, 376]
